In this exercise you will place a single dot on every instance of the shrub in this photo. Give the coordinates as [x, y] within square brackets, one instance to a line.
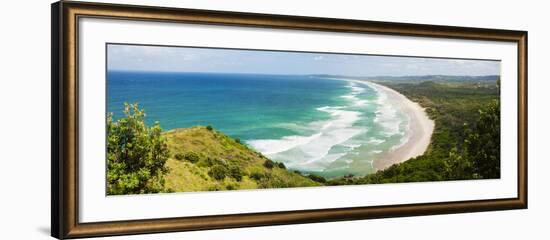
[352, 176]
[192, 157]
[208, 162]
[136, 154]
[281, 165]
[209, 128]
[218, 172]
[269, 164]
[236, 172]
[257, 176]
[179, 156]
[238, 140]
[317, 178]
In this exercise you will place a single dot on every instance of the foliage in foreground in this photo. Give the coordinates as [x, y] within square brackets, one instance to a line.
[480, 154]
[136, 154]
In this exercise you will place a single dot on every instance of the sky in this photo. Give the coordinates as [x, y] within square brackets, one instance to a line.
[185, 59]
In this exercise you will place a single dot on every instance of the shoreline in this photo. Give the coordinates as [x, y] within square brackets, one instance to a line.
[419, 132]
[417, 137]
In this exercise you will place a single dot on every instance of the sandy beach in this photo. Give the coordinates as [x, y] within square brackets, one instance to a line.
[418, 134]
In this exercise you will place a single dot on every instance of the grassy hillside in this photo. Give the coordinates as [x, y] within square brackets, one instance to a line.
[203, 159]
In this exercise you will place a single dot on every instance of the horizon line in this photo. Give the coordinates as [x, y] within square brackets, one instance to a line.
[305, 74]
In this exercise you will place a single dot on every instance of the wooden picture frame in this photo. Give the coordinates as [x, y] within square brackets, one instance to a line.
[65, 119]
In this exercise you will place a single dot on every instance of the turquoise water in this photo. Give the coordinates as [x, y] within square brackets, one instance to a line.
[312, 124]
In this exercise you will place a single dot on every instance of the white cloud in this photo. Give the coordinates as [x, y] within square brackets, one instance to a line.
[185, 59]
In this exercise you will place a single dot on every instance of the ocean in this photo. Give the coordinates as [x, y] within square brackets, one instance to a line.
[312, 124]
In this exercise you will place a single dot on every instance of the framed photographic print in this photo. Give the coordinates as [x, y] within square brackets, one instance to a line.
[168, 119]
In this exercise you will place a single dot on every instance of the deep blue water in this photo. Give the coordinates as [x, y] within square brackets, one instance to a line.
[327, 126]
[241, 105]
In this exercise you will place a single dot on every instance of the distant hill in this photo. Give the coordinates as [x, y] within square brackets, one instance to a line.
[422, 78]
[204, 159]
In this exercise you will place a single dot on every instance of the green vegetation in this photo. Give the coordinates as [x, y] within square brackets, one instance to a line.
[466, 140]
[191, 157]
[465, 145]
[136, 154]
[205, 159]
[316, 178]
[269, 164]
[143, 159]
[482, 144]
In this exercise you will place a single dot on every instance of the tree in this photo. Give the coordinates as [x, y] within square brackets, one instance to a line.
[457, 166]
[480, 154]
[482, 143]
[136, 154]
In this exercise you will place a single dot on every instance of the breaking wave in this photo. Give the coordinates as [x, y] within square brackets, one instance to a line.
[348, 128]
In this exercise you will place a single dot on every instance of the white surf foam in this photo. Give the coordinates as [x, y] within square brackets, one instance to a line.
[352, 96]
[272, 146]
[314, 149]
[387, 115]
[375, 141]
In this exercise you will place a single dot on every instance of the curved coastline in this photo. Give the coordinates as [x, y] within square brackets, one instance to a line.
[418, 134]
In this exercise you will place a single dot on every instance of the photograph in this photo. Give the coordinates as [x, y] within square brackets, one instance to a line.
[193, 119]
[169, 118]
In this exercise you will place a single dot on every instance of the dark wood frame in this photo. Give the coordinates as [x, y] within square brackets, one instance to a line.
[65, 129]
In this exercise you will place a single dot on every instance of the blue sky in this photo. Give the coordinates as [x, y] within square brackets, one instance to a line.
[182, 59]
